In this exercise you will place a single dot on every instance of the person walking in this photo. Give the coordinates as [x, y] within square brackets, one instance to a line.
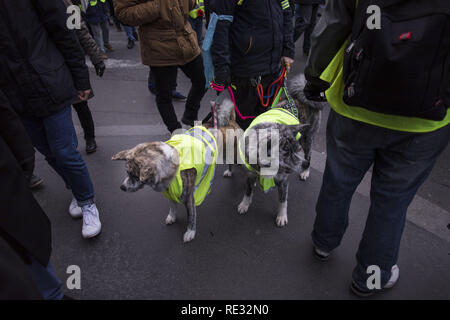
[97, 18]
[395, 119]
[196, 20]
[41, 73]
[168, 42]
[253, 40]
[25, 231]
[81, 107]
[305, 20]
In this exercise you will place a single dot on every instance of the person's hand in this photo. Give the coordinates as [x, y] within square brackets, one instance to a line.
[84, 95]
[222, 78]
[287, 62]
[100, 68]
[314, 93]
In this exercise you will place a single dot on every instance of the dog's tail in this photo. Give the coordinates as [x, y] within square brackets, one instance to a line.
[296, 86]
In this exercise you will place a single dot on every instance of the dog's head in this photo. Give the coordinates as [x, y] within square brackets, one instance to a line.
[274, 148]
[154, 164]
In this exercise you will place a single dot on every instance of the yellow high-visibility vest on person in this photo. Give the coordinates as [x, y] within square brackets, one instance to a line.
[199, 10]
[275, 115]
[197, 148]
[93, 3]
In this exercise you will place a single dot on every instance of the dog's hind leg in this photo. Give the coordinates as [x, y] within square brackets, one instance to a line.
[306, 146]
[187, 197]
[172, 216]
[283, 186]
[229, 172]
[247, 200]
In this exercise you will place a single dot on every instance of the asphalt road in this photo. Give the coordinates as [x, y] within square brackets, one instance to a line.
[232, 257]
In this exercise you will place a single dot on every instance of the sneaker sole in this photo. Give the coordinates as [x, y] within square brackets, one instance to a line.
[91, 151]
[319, 257]
[92, 236]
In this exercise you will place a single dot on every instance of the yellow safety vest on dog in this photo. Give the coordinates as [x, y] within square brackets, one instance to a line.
[197, 148]
[275, 115]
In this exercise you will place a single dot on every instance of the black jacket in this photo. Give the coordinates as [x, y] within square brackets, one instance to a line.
[253, 44]
[310, 1]
[23, 224]
[42, 65]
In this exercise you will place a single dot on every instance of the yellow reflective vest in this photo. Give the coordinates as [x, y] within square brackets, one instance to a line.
[333, 74]
[93, 3]
[274, 115]
[199, 6]
[197, 148]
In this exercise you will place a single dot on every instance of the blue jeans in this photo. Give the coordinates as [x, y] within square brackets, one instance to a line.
[129, 31]
[197, 25]
[401, 163]
[54, 136]
[101, 34]
[46, 280]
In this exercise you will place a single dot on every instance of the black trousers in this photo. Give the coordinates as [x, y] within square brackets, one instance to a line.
[86, 121]
[247, 99]
[164, 78]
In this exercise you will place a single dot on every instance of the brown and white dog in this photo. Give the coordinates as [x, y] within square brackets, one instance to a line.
[156, 164]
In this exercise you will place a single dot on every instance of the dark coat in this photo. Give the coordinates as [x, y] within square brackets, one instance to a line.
[253, 44]
[310, 1]
[42, 65]
[23, 224]
[98, 13]
[15, 278]
[165, 35]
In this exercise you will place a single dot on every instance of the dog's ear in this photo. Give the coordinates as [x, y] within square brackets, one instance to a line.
[122, 155]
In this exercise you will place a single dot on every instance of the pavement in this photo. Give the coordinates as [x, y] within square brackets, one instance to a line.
[233, 256]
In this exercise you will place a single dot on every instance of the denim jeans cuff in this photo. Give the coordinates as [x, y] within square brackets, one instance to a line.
[85, 202]
[318, 244]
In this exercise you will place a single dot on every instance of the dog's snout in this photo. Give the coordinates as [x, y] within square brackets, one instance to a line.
[123, 188]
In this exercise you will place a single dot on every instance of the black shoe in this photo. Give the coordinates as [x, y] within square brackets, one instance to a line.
[359, 292]
[130, 44]
[321, 255]
[35, 182]
[178, 96]
[65, 297]
[91, 145]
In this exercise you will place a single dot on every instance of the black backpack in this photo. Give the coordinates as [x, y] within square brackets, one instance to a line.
[404, 67]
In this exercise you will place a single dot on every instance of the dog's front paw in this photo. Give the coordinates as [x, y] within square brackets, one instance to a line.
[282, 221]
[170, 219]
[244, 205]
[227, 174]
[304, 175]
[189, 235]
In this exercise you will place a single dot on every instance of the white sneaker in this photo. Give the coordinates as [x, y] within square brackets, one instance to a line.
[75, 210]
[91, 221]
[395, 274]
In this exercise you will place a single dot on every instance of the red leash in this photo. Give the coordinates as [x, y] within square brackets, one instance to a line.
[260, 88]
[220, 88]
